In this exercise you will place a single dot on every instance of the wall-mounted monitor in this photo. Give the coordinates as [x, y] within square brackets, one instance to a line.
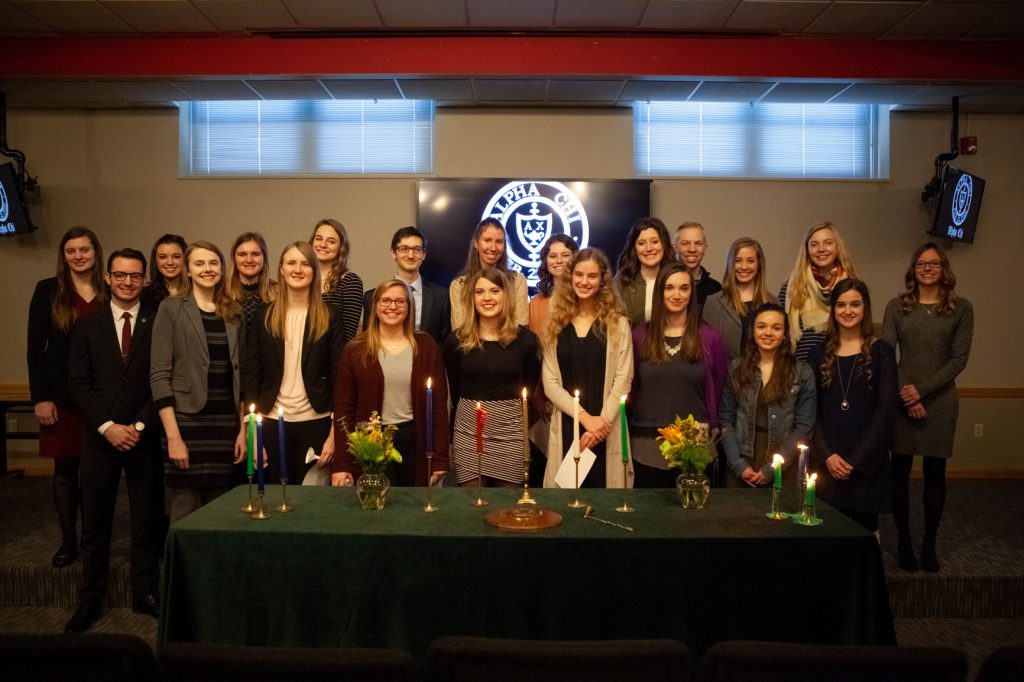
[956, 216]
[595, 213]
[13, 214]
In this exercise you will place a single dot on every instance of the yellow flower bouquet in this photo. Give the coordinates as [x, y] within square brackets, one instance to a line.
[371, 444]
[688, 445]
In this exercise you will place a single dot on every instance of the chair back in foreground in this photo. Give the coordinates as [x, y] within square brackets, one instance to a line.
[784, 662]
[193, 662]
[1003, 665]
[97, 656]
[470, 659]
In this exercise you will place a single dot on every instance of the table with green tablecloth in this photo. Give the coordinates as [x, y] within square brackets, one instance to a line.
[331, 574]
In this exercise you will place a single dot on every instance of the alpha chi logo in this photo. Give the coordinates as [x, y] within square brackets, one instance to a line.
[962, 199]
[532, 211]
[4, 210]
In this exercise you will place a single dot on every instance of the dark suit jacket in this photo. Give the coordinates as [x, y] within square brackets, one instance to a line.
[436, 318]
[103, 387]
[263, 364]
[47, 349]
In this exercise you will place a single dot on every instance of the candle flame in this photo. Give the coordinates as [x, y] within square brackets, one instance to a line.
[524, 393]
[252, 407]
[811, 478]
[478, 406]
[259, 419]
[802, 446]
[777, 460]
[624, 398]
[577, 394]
[280, 412]
[428, 383]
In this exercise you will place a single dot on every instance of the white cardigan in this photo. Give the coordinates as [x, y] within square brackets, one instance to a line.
[618, 376]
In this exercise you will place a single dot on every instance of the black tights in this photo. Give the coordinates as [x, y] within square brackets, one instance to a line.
[66, 498]
[934, 497]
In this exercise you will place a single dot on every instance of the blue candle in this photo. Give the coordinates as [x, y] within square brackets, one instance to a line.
[280, 443]
[430, 417]
[260, 477]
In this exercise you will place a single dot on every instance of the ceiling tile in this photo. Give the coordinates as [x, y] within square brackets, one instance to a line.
[161, 16]
[289, 89]
[497, 13]
[321, 14]
[362, 88]
[1006, 24]
[244, 15]
[860, 18]
[942, 95]
[89, 93]
[775, 15]
[875, 93]
[447, 89]
[608, 13]
[803, 93]
[216, 90]
[729, 91]
[13, 19]
[666, 91]
[584, 90]
[510, 89]
[945, 19]
[69, 16]
[24, 93]
[421, 14]
[696, 15]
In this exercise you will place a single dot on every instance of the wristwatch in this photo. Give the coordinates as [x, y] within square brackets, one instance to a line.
[139, 426]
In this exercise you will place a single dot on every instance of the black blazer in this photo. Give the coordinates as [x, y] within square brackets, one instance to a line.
[103, 387]
[436, 319]
[48, 349]
[263, 363]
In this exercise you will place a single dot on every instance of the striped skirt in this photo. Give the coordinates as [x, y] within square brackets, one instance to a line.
[503, 441]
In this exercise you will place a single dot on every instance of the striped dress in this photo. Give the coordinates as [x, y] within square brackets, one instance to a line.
[210, 433]
[503, 441]
[346, 298]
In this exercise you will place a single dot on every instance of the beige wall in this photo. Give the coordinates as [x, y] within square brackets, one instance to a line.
[116, 172]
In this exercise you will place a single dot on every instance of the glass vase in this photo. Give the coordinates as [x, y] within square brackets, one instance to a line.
[693, 489]
[372, 490]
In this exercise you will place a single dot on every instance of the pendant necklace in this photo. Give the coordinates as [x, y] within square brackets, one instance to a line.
[845, 404]
[672, 350]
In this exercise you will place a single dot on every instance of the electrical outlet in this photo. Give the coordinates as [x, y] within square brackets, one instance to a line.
[979, 430]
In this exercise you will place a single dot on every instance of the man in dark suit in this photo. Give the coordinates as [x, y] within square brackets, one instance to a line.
[433, 307]
[109, 382]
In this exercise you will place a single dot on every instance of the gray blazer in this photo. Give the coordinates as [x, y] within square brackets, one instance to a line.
[180, 358]
[720, 315]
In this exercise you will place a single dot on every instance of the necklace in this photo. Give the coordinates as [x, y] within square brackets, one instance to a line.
[672, 350]
[928, 307]
[845, 404]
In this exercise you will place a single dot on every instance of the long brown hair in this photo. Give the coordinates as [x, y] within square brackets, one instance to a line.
[62, 307]
[654, 340]
[564, 305]
[947, 283]
[227, 309]
[468, 334]
[783, 370]
[867, 332]
[157, 283]
[267, 287]
[340, 265]
[368, 342]
[318, 315]
[629, 264]
[731, 292]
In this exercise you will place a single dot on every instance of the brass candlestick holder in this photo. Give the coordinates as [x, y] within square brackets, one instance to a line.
[625, 508]
[249, 508]
[429, 507]
[808, 515]
[576, 504]
[480, 501]
[260, 512]
[776, 513]
[284, 507]
[526, 498]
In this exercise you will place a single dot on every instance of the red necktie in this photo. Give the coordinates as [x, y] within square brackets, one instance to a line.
[126, 336]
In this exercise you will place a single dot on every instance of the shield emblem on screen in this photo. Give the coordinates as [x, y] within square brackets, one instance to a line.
[533, 228]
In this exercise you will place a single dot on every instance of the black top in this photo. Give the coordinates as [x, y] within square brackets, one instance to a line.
[250, 304]
[706, 286]
[674, 388]
[48, 349]
[581, 360]
[492, 372]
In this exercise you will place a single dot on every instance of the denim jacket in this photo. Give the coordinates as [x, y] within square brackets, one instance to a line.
[790, 421]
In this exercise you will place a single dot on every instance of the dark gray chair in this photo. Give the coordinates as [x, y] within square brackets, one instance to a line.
[471, 659]
[97, 656]
[784, 662]
[1003, 665]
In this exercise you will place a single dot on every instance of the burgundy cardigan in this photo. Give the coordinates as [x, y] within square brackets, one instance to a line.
[359, 390]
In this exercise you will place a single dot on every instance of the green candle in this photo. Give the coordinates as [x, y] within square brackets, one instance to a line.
[777, 466]
[809, 495]
[624, 428]
[251, 442]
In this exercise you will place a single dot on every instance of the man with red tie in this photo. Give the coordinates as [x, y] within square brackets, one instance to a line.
[109, 382]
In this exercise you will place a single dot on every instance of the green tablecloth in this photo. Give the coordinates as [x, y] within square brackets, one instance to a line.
[331, 574]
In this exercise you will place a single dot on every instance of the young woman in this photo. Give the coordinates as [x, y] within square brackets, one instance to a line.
[168, 276]
[290, 365]
[195, 382]
[490, 358]
[248, 284]
[823, 261]
[933, 328]
[857, 390]
[487, 250]
[768, 404]
[385, 370]
[555, 256]
[587, 347]
[342, 289]
[647, 248]
[679, 368]
[743, 291]
[56, 304]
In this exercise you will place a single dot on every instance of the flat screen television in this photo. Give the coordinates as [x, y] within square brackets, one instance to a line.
[595, 213]
[13, 214]
[956, 215]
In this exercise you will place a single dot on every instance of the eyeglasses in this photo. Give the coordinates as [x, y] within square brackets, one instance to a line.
[928, 265]
[395, 302]
[136, 277]
[406, 250]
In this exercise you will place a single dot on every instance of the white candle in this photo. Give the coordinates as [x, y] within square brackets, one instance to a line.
[576, 421]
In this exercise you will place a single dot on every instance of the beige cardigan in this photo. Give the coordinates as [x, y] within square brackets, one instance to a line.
[520, 300]
[618, 376]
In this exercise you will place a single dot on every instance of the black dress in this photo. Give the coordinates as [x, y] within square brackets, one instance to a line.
[582, 363]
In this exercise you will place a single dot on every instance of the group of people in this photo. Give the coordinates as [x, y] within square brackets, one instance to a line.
[153, 376]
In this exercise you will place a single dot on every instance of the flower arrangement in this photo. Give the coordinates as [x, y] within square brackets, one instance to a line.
[371, 444]
[688, 444]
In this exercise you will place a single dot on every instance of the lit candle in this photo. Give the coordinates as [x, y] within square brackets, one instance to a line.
[777, 463]
[526, 429]
[260, 479]
[250, 441]
[809, 494]
[624, 428]
[576, 422]
[430, 417]
[801, 468]
[280, 443]
[481, 417]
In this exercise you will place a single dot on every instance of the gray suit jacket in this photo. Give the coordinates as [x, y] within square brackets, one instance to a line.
[720, 315]
[181, 359]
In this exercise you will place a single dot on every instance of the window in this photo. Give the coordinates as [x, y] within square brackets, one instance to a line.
[307, 137]
[727, 139]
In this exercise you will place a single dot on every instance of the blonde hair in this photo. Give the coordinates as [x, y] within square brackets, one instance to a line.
[267, 287]
[318, 315]
[730, 291]
[368, 342]
[564, 305]
[801, 288]
[226, 308]
[468, 334]
[340, 265]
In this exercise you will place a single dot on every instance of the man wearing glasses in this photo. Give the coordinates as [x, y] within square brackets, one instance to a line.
[431, 302]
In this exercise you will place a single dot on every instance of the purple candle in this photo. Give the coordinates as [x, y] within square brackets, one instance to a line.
[430, 417]
[280, 444]
[260, 476]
